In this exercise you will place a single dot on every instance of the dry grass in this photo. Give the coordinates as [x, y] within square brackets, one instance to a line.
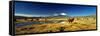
[78, 24]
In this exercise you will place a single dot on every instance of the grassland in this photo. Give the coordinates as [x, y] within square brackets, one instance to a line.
[80, 23]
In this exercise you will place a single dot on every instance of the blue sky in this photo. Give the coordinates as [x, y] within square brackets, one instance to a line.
[37, 9]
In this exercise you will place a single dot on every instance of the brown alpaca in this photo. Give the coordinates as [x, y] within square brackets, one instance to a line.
[70, 20]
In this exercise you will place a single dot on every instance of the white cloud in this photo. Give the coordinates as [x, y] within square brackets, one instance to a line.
[63, 14]
[28, 15]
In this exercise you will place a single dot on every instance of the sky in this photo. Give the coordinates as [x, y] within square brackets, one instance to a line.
[38, 9]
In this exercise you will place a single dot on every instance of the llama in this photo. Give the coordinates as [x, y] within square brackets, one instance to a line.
[70, 20]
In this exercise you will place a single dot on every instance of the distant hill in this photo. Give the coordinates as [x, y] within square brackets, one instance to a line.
[87, 16]
[92, 15]
[19, 17]
[63, 16]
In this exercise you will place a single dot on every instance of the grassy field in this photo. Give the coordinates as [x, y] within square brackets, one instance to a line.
[79, 23]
